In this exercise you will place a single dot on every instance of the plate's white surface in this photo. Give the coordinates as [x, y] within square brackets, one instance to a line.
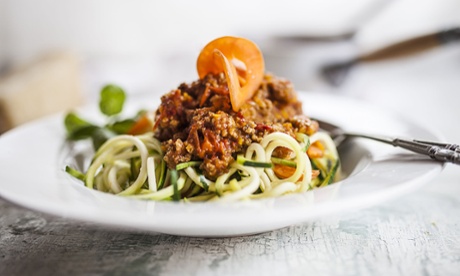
[33, 157]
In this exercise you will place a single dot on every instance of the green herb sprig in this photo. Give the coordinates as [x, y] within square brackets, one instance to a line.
[112, 99]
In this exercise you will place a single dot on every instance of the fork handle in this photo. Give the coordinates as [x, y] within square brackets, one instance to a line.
[413, 46]
[444, 153]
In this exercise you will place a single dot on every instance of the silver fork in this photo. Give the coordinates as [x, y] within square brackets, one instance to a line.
[444, 152]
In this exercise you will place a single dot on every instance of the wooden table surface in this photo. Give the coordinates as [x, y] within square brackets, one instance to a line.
[416, 234]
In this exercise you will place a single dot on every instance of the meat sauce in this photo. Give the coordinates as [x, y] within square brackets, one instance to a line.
[196, 121]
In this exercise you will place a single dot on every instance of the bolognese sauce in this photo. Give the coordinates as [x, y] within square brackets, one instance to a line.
[196, 121]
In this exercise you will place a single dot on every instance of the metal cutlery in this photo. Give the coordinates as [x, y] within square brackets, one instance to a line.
[335, 73]
[444, 152]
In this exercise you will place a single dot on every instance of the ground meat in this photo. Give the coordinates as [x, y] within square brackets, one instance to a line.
[196, 121]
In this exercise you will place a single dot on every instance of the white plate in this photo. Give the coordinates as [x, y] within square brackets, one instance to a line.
[33, 157]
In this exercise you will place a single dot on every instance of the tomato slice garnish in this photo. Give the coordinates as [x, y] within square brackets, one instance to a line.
[240, 60]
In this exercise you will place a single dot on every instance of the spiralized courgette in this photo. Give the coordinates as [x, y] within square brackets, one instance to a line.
[133, 166]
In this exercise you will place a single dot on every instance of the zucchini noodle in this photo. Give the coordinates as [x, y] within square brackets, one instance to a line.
[133, 166]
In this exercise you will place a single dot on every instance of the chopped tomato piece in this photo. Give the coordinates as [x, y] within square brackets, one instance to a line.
[240, 60]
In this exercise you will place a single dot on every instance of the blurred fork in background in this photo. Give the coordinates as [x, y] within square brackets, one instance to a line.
[336, 73]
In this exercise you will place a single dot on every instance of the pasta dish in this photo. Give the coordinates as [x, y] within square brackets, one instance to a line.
[236, 133]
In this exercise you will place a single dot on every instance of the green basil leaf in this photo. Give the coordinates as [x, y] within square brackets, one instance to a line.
[121, 127]
[72, 122]
[83, 132]
[112, 100]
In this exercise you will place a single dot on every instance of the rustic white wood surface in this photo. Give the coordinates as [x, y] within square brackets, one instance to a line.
[417, 234]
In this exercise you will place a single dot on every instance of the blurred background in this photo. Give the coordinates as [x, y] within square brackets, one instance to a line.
[66, 50]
